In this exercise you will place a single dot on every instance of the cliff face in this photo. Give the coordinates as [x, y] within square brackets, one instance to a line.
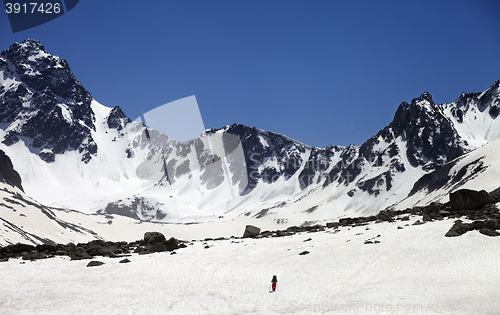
[8, 174]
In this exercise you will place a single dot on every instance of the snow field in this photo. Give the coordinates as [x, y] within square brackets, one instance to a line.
[415, 270]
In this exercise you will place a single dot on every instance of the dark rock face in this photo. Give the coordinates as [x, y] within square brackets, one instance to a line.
[429, 137]
[466, 199]
[260, 146]
[52, 106]
[117, 119]
[131, 209]
[251, 231]
[429, 134]
[318, 162]
[7, 173]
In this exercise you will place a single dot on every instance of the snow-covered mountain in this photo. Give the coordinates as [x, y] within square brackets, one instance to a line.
[478, 169]
[73, 152]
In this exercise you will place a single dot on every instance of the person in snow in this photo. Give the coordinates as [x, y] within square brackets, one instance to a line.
[274, 281]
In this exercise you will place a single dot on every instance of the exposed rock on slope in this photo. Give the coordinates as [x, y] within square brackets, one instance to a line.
[8, 174]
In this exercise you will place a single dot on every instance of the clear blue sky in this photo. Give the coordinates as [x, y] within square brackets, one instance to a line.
[319, 71]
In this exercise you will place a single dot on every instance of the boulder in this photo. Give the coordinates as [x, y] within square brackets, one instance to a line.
[171, 244]
[33, 255]
[385, 215]
[489, 232]
[467, 199]
[79, 255]
[251, 231]
[153, 237]
[105, 252]
[452, 233]
[280, 233]
[444, 213]
[486, 227]
[95, 263]
[492, 224]
[332, 225]
[140, 250]
[156, 248]
[346, 221]
[19, 248]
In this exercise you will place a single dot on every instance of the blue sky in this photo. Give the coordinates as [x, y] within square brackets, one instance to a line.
[319, 71]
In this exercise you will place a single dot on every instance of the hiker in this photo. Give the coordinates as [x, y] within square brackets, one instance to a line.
[274, 281]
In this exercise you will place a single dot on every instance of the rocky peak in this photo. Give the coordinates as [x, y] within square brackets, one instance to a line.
[22, 51]
[431, 139]
[42, 102]
[117, 119]
[426, 96]
[40, 72]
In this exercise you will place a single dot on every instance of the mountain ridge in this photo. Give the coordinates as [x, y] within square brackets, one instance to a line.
[125, 167]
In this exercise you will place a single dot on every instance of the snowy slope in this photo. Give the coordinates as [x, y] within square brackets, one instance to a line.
[24, 220]
[474, 116]
[415, 270]
[476, 170]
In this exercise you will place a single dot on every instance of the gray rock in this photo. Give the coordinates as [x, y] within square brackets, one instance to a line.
[33, 255]
[467, 199]
[172, 244]
[19, 248]
[156, 248]
[331, 225]
[444, 213]
[79, 255]
[489, 232]
[452, 233]
[280, 233]
[154, 237]
[492, 224]
[95, 263]
[251, 231]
